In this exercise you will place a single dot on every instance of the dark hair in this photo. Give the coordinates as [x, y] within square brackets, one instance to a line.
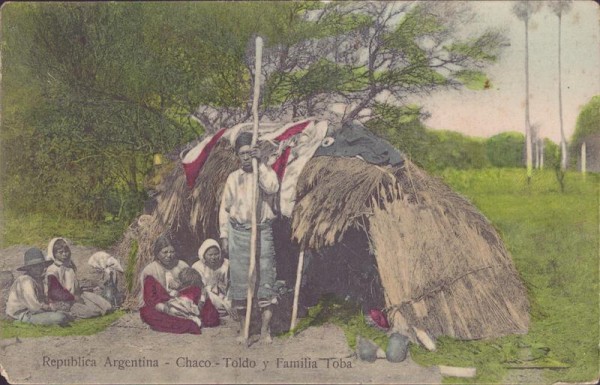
[190, 277]
[243, 139]
[60, 242]
[160, 243]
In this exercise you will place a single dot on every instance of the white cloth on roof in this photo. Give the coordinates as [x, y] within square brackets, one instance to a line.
[303, 146]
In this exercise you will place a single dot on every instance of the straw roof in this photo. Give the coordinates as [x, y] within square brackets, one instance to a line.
[442, 265]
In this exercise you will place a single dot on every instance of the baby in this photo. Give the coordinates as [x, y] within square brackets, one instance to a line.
[188, 298]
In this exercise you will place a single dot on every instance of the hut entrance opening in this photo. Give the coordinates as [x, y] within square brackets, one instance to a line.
[347, 270]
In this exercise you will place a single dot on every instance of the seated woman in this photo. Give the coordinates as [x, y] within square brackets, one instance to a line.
[189, 299]
[25, 301]
[63, 288]
[214, 270]
[159, 284]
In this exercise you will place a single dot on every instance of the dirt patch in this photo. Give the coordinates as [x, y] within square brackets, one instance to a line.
[317, 355]
[30, 360]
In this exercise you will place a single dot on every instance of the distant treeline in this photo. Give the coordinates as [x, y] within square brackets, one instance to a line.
[436, 150]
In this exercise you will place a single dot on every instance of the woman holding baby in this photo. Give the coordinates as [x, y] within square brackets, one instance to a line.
[172, 294]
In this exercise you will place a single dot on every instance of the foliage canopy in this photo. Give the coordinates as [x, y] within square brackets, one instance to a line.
[93, 90]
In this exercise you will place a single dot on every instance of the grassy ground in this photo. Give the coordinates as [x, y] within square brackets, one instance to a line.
[553, 238]
[85, 327]
[347, 315]
[35, 229]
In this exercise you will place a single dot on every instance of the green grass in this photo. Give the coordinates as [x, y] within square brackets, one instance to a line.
[36, 229]
[85, 327]
[553, 238]
[346, 315]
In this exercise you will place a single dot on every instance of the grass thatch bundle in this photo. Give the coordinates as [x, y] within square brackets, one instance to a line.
[136, 248]
[187, 216]
[440, 265]
[333, 195]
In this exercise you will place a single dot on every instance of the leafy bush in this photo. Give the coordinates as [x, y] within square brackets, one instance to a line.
[431, 149]
[506, 149]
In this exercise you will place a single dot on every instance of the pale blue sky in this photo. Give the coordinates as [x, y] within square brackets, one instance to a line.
[485, 113]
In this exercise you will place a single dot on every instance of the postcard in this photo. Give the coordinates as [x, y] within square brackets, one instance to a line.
[399, 192]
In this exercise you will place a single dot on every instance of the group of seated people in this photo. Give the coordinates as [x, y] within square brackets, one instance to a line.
[176, 298]
[48, 293]
[180, 299]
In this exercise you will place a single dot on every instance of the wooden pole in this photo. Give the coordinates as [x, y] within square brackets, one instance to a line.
[255, 194]
[297, 290]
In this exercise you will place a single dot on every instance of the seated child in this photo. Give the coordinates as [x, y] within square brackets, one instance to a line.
[188, 298]
[62, 286]
[214, 270]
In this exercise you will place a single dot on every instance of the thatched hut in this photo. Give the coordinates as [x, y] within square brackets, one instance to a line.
[387, 236]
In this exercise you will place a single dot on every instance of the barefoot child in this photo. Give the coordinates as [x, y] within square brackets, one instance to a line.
[214, 270]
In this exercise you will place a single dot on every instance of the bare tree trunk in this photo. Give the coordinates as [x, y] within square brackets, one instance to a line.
[528, 146]
[563, 141]
[537, 153]
[583, 159]
[542, 153]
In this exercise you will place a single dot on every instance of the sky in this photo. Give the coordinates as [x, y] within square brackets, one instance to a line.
[502, 108]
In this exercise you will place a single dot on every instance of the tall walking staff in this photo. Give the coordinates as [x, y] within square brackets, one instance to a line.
[297, 290]
[254, 232]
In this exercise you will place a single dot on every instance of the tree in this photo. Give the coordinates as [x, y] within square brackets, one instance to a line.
[587, 126]
[433, 150]
[359, 54]
[366, 52]
[561, 7]
[92, 91]
[97, 108]
[506, 149]
[524, 10]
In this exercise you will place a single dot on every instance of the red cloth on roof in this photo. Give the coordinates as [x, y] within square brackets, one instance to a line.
[281, 162]
[298, 128]
[154, 294]
[56, 292]
[192, 169]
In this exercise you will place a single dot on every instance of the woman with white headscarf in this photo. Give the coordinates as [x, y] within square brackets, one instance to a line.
[62, 287]
[214, 270]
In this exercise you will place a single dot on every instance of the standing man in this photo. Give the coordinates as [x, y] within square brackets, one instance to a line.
[235, 217]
